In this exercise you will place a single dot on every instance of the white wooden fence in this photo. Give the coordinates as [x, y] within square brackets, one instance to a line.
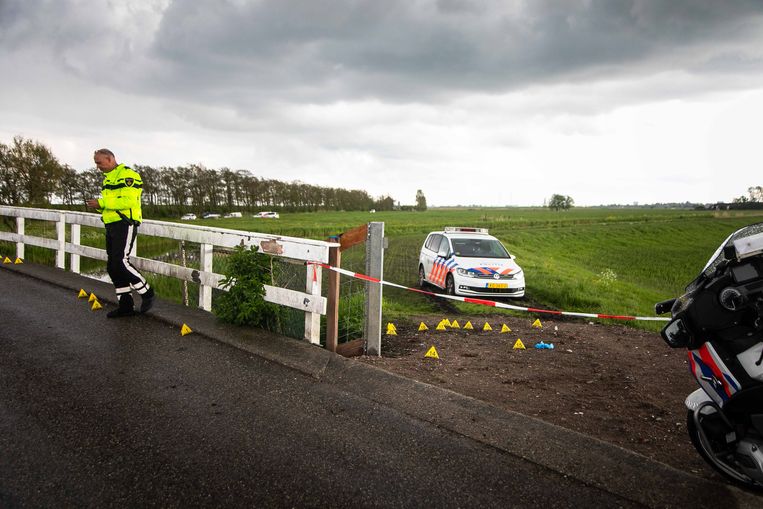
[310, 301]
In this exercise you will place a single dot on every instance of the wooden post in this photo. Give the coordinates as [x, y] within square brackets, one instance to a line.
[313, 320]
[375, 269]
[20, 231]
[75, 239]
[61, 237]
[205, 265]
[332, 306]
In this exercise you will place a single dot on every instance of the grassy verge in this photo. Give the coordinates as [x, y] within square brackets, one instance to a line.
[597, 260]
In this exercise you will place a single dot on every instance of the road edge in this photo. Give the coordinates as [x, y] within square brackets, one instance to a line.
[591, 461]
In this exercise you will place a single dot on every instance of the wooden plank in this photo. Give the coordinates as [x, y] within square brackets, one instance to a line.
[30, 213]
[297, 300]
[30, 240]
[210, 279]
[353, 237]
[289, 247]
[86, 251]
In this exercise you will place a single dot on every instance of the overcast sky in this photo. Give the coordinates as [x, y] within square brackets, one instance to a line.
[485, 102]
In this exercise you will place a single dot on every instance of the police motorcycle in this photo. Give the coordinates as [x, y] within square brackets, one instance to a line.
[720, 321]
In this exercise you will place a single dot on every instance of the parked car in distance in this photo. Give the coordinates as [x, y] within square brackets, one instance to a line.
[210, 215]
[188, 217]
[232, 214]
[267, 215]
[468, 261]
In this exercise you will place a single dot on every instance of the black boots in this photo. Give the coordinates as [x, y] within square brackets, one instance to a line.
[125, 308]
[148, 300]
[127, 305]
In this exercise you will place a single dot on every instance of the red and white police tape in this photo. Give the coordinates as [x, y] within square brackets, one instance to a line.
[491, 303]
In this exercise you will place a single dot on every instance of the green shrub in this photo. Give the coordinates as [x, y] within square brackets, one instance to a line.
[247, 271]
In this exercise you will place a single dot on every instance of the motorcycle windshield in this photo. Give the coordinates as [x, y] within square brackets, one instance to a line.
[719, 257]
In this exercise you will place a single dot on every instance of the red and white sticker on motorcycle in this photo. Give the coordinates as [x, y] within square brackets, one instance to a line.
[712, 374]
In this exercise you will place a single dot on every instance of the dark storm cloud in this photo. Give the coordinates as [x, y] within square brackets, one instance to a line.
[246, 53]
[407, 50]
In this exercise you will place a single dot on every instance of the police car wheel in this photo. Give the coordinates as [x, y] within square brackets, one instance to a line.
[422, 278]
[450, 285]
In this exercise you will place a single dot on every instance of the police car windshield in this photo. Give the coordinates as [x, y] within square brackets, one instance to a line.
[479, 248]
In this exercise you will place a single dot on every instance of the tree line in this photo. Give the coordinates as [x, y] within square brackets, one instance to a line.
[754, 195]
[30, 175]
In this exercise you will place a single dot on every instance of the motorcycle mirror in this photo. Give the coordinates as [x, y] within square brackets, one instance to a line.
[664, 306]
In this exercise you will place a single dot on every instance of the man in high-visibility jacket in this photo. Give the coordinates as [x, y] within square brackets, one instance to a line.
[119, 205]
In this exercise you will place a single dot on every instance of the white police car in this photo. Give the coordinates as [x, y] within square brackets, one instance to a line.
[468, 261]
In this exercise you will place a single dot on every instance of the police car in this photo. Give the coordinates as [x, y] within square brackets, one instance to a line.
[468, 261]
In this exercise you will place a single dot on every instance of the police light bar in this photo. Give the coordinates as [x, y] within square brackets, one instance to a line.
[462, 229]
[749, 246]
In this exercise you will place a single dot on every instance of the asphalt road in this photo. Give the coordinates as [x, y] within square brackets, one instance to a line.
[102, 413]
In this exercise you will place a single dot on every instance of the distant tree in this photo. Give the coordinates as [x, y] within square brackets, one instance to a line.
[29, 173]
[384, 203]
[754, 195]
[421, 201]
[560, 202]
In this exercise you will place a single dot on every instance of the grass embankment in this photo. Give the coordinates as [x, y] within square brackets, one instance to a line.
[614, 261]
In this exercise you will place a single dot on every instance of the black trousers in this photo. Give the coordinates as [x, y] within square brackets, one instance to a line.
[120, 238]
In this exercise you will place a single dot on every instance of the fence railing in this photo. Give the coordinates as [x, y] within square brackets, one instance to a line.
[310, 301]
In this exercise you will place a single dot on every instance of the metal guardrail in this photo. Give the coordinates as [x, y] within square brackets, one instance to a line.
[310, 301]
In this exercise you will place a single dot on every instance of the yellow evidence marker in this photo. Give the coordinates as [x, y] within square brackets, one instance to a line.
[391, 331]
[440, 326]
[487, 326]
[96, 306]
[18, 261]
[468, 326]
[92, 297]
[518, 345]
[537, 324]
[184, 330]
[423, 327]
[82, 294]
[454, 324]
[505, 328]
[7, 260]
[446, 322]
[432, 352]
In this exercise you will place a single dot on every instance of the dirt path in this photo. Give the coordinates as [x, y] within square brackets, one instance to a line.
[621, 385]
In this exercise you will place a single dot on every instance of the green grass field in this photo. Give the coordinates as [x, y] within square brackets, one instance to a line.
[597, 260]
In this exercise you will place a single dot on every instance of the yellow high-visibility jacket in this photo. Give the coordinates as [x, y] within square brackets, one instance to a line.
[120, 195]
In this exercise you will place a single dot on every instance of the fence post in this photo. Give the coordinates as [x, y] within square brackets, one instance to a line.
[205, 265]
[61, 235]
[332, 306]
[75, 239]
[375, 269]
[313, 320]
[20, 231]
